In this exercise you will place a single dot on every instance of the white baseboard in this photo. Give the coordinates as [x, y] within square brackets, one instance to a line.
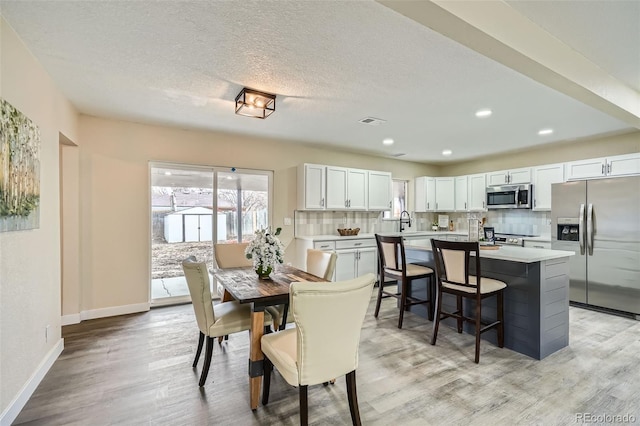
[70, 319]
[114, 311]
[17, 404]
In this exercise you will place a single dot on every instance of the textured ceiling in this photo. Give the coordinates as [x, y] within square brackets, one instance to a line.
[330, 63]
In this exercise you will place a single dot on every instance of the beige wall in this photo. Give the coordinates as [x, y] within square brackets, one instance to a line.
[114, 196]
[30, 260]
[549, 154]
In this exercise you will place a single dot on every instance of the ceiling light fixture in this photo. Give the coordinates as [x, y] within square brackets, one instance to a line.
[484, 113]
[252, 103]
[388, 141]
[447, 152]
[545, 132]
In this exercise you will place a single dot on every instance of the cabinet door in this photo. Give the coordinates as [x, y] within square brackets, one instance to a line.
[425, 191]
[345, 265]
[367, 261]
[477, 192]
[497, 178]
[312, 180]
[462, 193]
[623, 165]
[520, 175]
[584, 169]
[357, 189]
[543, 178]
[380, 195]
[336, 188]
[445, 194]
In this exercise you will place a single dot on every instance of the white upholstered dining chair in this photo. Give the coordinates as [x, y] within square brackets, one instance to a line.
[230, 256]
[216, 320]
[319, 263]
[321, 346]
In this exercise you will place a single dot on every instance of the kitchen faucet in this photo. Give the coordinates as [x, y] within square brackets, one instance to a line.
[404, 220]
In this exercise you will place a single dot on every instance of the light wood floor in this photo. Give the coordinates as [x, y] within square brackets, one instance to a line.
[136, 369]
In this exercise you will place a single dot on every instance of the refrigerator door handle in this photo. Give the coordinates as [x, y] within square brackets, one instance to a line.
[590, 229]
[581, 229]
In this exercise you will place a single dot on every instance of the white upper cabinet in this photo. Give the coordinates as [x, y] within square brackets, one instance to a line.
[462, 193]
[425, 194]
[477, 197]
[618, 165]
[311, 187]
[543, 178]
[380, 190]
[357, 183]
[509, 177]
[445, 194]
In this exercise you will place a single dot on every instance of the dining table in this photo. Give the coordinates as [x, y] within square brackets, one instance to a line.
[245, 286]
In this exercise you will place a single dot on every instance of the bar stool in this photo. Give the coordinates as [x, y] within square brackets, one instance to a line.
[393, 264]
[454, 277]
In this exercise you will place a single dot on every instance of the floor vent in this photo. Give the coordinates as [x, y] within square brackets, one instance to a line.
[371, 121]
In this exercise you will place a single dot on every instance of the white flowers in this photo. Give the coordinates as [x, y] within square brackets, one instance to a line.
[265, 249]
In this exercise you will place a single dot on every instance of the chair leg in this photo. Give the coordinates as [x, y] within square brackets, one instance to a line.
[304, 406]
[436, 320]
[403, 302]
[353, 398]
[199, 350]
[207, 361]
[478, 325]
[380, 287]
[266, 380]
[459, 308]
[501, 319]
[283, 319]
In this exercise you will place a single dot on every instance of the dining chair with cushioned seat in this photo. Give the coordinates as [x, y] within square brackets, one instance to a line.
[230, 255]
[393, 264]
[216, 320]
[454, 276]
[320, 346]
[319, 263]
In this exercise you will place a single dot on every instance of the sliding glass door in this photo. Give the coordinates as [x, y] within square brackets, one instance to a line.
[191, 208]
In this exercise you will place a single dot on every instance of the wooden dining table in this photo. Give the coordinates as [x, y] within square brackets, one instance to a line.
[244, 285]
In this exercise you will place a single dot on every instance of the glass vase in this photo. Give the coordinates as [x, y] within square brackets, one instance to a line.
[263, 272]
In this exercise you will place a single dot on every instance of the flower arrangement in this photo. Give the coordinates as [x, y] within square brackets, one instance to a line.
[265, 250]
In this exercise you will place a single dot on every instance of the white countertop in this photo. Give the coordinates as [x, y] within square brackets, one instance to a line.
[360, 236]
[510, 253]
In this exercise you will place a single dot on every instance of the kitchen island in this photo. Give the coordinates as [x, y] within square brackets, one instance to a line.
[536, 300]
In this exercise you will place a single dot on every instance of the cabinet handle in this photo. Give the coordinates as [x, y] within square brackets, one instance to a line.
[322, 202]
[602, 172]
[436, 206]
[609, 168]
[427, 206]
[349, 203]
[346, 204]
[534, 202]
[483, 204]
[506, 178]
[357, 244]
[390, 203]
[465, 205]
[326, 246]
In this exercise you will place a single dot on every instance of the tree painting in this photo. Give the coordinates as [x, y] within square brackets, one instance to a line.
[19, 170]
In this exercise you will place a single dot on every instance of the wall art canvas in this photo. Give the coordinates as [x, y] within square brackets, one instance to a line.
[19, 170]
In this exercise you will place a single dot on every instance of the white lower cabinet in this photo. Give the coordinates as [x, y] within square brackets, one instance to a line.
[538, 244]
[355, 258]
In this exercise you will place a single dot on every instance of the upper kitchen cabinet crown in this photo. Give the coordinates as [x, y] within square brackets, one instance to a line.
[543, 178]
[506, 177]
[311, 187]
[380, 190]
[619, 165]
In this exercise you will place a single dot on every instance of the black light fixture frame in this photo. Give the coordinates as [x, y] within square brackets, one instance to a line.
[243, 104]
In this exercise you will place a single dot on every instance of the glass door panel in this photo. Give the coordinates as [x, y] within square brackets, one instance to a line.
[182, 223]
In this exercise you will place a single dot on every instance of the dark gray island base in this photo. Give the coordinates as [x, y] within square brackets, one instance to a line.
[536, 300]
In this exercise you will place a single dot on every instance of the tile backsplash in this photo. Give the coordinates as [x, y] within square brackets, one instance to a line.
[524, 222]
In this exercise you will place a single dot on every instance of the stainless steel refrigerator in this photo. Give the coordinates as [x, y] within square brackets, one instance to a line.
[600, 221]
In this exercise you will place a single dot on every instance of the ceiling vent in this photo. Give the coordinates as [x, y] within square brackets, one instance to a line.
[371, 121]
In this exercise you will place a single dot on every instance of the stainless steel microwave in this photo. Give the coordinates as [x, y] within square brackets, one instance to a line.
[510, 196]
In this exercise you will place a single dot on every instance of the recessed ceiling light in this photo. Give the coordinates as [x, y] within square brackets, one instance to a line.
[545, 132]
[483, 112]
[447, 152]
[167, 173]
[388, 141]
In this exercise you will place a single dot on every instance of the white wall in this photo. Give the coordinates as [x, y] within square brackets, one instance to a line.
[30, 260]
